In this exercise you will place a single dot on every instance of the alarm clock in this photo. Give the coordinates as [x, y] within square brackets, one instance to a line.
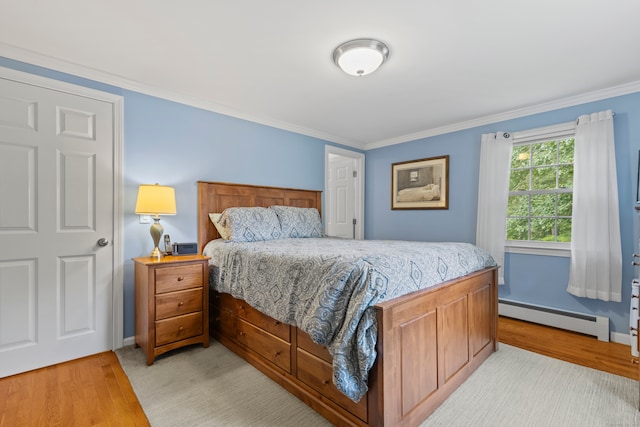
[185, 248]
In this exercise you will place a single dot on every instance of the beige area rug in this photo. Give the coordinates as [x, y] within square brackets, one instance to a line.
[195, 386]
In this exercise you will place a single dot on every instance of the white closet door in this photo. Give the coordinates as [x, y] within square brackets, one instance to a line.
[56, 204]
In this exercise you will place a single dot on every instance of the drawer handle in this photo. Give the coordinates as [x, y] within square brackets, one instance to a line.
[277, 323]
[635, 361]
[241, 333]
[277, 354]
[325, 382]
[180, 278]
[181, 328]
[180, 304]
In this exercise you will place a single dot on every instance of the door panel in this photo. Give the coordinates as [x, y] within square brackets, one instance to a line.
[77, 295]
[17, 210]
[56, 188]
[341, 193]
[17, 303]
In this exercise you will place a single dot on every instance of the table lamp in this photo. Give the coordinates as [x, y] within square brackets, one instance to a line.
[156, 200]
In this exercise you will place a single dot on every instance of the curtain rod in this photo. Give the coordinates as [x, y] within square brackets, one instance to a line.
[544, 131]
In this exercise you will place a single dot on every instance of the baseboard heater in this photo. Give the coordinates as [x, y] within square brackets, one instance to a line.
[597, 326]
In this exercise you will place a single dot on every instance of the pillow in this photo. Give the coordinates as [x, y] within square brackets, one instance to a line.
[215, 217]
[250, 224]
[299, 222]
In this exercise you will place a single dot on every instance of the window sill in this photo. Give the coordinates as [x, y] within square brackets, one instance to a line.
[538, 248]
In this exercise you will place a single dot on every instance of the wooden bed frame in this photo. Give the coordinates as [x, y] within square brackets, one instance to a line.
[429, 342]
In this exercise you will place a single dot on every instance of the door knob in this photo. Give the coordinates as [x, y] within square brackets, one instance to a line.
[103, 242]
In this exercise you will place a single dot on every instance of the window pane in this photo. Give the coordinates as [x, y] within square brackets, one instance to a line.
[544, 153]
[542, 229]
[518, 206]
[517, 229]
[540, 199]
[519, 180]
[565, 151]
[565, 176]
[564, 229]
[520, 156]
[543, 178]
[565, 204]
[543, 205]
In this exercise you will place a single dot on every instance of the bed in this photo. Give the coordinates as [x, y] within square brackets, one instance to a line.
[419, 194]
[428, 341]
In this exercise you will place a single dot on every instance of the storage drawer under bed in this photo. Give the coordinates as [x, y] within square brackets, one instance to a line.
[272, 348]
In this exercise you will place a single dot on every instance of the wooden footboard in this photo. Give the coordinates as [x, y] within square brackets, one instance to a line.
[428, 343]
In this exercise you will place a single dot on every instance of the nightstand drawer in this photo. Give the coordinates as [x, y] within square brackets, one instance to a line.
[178, 303]
[178, 328]
[178, 277]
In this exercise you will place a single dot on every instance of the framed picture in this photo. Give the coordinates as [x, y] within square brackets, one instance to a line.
[420, 184]
[638, 181]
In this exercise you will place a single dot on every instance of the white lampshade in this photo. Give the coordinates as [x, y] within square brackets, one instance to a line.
[156, 200]
[360, 57]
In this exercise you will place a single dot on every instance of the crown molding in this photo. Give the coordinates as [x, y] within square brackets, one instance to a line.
[571, 101]
[55, 64]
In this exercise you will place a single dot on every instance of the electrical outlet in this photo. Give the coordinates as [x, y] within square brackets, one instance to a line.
[145, 219]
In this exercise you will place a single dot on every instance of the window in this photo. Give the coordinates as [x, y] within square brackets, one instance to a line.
[541, 190]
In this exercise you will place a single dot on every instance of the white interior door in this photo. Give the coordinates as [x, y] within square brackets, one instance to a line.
[56, 203]
[344, 193]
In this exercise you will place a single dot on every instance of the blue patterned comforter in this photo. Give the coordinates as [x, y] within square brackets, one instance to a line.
[328, 286]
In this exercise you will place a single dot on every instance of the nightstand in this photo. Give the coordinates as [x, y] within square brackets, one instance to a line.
[172, 303]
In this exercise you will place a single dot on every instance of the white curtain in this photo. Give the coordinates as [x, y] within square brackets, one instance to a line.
[596, 254]
[493, 195]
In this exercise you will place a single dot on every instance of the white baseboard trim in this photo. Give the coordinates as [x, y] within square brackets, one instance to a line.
[129, 341]
[620, 338]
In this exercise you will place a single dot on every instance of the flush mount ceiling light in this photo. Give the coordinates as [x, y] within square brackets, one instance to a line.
[360, 57]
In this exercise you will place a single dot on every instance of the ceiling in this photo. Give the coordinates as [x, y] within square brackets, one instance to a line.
[452, 64]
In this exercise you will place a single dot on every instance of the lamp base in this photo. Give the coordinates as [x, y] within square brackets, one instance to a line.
[156, 231]
[156, 253]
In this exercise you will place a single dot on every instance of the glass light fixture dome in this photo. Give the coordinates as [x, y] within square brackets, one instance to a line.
[361, 56]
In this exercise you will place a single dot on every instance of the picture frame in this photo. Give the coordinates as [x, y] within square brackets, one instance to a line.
[420, 184]
[638, 183]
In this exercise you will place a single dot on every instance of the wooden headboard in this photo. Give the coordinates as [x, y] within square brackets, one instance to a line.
[214, 197]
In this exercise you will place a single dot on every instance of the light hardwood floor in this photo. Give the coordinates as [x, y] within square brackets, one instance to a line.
[92, 391]
[575, 348]
[95, 390]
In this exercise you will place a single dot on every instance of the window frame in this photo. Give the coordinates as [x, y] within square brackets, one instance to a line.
[542, 134]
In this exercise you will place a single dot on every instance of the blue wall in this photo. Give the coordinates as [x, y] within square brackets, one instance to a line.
[529, 278]
[177, 145]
